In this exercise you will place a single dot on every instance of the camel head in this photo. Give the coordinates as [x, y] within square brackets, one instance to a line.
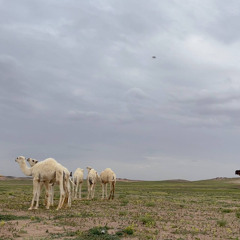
[89, 168]
[237, 172]
[32, 161]
[20, 159]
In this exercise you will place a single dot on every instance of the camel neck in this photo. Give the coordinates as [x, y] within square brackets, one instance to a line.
[25, 169]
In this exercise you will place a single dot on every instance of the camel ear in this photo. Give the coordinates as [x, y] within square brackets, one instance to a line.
[36, 161]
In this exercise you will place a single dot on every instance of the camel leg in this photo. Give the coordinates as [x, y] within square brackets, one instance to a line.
[61, 200]
[37, 195]
[103, 186]
[106, 190]
[48, 194]
[93, 190]
[69, 195]
[110, 194]
[52, 195]
[35, 189]
[73, 188]
[80, 190]
[62, 196]
[89, 190]
[113, 189]
[76, 190]
[61, 188]
[67, 189]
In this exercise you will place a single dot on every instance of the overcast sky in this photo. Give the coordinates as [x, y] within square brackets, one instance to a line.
[78, 82]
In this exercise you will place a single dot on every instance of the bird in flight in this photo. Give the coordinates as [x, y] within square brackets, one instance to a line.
[153, 56]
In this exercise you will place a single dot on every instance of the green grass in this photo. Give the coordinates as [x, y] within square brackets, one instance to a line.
[148, 220]
[237, 214]
[96, 233]
[222, 223]
[129, 230]
[150, 204]
[123, 213]
[9, 217]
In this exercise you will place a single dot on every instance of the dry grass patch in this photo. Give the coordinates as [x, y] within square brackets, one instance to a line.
[141, 210]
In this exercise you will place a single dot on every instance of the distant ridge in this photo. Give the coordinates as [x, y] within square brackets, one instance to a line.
[12, 178]
[127, 180]
[177, 180]
[221, 178]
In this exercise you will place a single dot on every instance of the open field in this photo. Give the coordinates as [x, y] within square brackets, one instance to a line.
[161, 210]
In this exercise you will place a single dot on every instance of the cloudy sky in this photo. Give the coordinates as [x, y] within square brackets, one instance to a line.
[78, 82]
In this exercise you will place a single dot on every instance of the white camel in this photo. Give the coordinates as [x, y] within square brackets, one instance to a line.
[77, 182]
[108, 176]
[49, 171]
[33, 162]
[91, 181]
[67, 178]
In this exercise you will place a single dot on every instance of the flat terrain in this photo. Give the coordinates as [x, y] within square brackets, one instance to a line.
[161, 210]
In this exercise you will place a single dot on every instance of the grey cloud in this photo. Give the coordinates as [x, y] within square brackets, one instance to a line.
[13, 85]
[208, 108]
[136, 93]
[80, 75]
[88, 116]
[225, 16]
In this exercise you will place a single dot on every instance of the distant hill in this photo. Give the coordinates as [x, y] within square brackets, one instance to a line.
[13, 178]
[177, 180]
[127, 180]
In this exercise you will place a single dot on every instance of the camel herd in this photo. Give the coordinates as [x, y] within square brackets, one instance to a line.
[49, 172]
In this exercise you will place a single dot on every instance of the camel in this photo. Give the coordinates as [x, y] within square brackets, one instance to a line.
[78, 181]
[108, 176]
[91, 181]
[33, 162]
[49, 171]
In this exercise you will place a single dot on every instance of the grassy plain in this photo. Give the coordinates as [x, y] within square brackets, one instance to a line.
[161, 210]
